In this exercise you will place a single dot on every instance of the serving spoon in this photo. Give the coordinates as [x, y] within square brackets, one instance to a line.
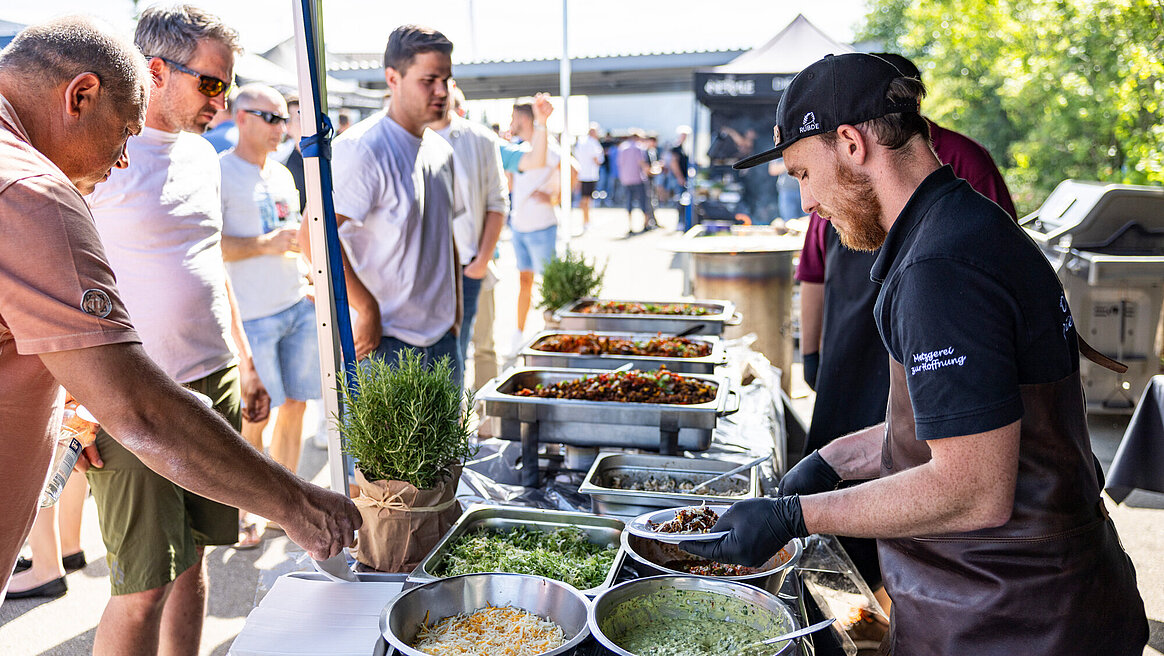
[790, 635]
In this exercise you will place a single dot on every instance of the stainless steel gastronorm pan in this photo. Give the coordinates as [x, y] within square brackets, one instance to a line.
[722, 313]
[532, 357]
[599, 530]
[610, 500]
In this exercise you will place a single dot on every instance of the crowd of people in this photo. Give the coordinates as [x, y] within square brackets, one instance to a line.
[163, 281]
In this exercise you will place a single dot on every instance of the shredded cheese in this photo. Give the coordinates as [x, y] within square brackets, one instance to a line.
[490, 631]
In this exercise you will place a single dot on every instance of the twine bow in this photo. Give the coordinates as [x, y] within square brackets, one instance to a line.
[396, 502]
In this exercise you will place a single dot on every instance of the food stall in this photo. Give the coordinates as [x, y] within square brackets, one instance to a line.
[741, 97]
[542, 555]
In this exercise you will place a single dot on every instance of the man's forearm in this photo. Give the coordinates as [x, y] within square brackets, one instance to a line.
[171, 432]
[968, 484]
[237, 332]
[856, 456]
[490, 235]
[241, 248]
[811, 309]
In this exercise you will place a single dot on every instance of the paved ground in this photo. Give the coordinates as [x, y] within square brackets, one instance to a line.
[637, 268]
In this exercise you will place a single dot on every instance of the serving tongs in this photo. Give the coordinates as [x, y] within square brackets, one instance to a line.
[823, 624]
[730, 472]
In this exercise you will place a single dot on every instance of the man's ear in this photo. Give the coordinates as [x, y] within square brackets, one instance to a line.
[156, 66]
[392, 78]
[81, 94]
[852, 144]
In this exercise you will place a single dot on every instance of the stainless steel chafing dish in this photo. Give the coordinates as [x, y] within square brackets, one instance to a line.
[654, 426]
[721, 313]
[609, 499]
[605, 531]
[532, 357]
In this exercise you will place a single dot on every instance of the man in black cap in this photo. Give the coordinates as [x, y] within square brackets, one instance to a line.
[985, 497]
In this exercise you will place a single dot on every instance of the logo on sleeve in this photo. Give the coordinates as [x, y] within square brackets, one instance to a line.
[96, 303]
[933, 360]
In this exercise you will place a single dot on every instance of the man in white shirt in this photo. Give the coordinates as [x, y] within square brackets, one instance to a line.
[485, 196]
[535, 214]
[394, 202]
[590, 155]
[260, 222]
[161, 223]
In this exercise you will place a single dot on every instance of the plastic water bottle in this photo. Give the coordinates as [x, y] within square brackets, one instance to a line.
[68, 449]
[76, 425]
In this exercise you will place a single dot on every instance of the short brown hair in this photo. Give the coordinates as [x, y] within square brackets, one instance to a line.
[408, 41]
[64, 48]
[895, 130]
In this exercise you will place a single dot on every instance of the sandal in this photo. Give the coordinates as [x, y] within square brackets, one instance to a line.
[248, 537]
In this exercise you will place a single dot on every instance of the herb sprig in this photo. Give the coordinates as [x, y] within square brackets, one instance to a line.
[408, 422]
[564, 554]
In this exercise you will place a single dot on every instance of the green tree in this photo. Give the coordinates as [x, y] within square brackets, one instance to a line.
[1055, 89]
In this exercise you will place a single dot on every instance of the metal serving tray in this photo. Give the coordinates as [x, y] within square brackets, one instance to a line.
[704, 365]
[723, 313]
[601, 423]
[606, 531]
[609, 500]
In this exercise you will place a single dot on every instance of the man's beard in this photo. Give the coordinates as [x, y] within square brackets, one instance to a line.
[859, 209]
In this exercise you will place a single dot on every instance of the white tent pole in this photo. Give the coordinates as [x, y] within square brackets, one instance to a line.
[326, 312]
[567, 147]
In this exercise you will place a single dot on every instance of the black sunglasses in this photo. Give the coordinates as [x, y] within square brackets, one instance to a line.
[270, 117]
[208, 86]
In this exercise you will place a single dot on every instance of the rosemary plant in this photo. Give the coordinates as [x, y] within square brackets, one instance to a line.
[568, 278]
[408, 422]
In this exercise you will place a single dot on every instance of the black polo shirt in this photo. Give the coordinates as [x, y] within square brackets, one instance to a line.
[970, 307]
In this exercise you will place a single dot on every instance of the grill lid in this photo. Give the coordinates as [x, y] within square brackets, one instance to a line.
[1104, 218]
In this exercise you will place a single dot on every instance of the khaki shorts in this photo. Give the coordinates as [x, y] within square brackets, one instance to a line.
[150, 526]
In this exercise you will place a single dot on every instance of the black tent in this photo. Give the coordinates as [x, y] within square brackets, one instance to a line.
[742, 96]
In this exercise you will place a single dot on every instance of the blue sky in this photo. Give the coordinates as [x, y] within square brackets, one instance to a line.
[506, 29]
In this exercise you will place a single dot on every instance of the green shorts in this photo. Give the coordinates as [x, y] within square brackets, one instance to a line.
[150, 526]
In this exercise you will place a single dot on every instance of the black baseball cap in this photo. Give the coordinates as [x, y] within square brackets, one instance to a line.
[834, 91]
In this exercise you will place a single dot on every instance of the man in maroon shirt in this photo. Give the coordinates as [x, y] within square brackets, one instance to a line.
[844, 359]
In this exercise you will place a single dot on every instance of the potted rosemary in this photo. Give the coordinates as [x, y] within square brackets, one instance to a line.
[566, 279]
[409, 433]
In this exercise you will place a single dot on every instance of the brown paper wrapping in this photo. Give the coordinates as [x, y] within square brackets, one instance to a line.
[402, 523]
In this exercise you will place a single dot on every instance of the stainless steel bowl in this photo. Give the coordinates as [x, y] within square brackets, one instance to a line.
[655, 555]
[643, 602]
[436, 600]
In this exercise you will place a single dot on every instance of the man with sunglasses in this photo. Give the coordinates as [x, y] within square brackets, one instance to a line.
[260, 221]
[161, 223]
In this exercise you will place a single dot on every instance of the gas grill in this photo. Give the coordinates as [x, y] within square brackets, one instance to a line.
[1106, 242]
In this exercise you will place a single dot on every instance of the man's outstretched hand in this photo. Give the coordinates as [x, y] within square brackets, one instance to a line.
[757, 529]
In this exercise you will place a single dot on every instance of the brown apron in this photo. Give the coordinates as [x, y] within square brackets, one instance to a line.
[1054, 580]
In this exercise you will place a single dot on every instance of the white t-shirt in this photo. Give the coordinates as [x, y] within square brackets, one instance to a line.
[530, 214]
[588, 151]
[161, 223]
[480, 181]
[397, 190]
[254, 202]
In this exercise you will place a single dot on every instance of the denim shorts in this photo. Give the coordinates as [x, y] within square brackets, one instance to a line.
[286, 352]
[534, 249]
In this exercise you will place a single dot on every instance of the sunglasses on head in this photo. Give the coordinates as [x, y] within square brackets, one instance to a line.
[208, 86]
[270, 117]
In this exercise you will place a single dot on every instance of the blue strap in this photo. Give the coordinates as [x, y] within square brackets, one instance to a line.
[318, 144]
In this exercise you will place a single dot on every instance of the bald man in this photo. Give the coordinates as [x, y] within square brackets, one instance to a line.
[71, 94]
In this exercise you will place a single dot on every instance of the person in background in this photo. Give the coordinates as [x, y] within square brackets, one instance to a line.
[260, 227]
[71, 93]
[788, 189]
[534, 223]
[293, 159]
[343, 122]
[634, 171]
[483, 193]
[222, 132]
[680, 163]
[161, 225]
[395, 203]
[844, 359]
[55, 540]
[980, 485]
[588, 151]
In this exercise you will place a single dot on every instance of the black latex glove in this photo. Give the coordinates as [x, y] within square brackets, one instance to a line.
[757, 529]
[810, 476]
[811, 365]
